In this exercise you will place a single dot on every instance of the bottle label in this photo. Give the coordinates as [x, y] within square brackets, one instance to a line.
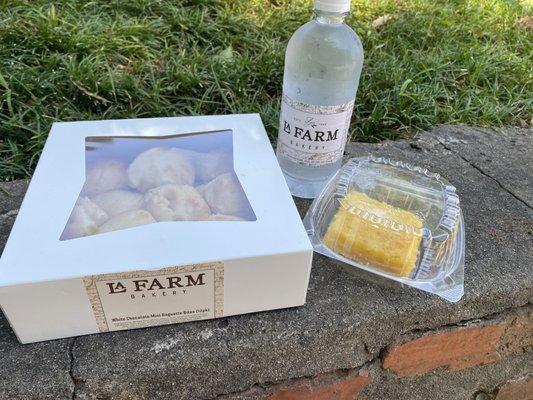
[313, 135]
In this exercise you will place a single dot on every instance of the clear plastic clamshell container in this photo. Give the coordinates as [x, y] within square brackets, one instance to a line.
[395, 220]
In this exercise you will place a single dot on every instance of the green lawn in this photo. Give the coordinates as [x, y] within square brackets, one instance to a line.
[433, 62]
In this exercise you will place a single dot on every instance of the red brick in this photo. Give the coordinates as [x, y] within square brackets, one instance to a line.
[518, 334]
[343, 389]
[455, 349]
[517, 390]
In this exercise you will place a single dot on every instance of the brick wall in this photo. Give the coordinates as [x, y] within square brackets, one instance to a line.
[457, 348]
[476, 356]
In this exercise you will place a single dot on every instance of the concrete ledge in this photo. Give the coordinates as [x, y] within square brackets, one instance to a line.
[355, 336]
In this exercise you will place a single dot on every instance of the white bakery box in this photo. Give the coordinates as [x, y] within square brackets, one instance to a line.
[143, 222]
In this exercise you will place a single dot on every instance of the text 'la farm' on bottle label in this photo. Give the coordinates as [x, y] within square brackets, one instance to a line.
[313, 135]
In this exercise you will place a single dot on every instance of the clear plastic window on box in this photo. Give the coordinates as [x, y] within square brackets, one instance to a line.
[134, 181]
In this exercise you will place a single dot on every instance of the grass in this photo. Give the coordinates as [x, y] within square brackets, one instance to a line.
[456, 61]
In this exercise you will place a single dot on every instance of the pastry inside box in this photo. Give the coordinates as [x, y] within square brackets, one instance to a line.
[133, 181]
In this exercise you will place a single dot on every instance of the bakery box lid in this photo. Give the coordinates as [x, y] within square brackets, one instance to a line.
[70, 224]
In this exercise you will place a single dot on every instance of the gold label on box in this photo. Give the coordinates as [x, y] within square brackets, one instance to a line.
[170, 295]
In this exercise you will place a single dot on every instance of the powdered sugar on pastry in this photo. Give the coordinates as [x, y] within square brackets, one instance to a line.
[118, 201]
[225, 195]
[128, 219]
[159, 166]
[210, 165]
[104, 176]
[176, 203]
[84, 220]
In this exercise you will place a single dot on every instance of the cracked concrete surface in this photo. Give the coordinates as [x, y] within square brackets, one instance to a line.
[71, 368]
[349, 316]
[483, 155]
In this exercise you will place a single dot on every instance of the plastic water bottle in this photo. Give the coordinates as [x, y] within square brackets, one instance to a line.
[323, 64]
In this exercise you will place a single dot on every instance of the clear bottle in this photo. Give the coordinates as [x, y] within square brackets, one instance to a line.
[323, 64]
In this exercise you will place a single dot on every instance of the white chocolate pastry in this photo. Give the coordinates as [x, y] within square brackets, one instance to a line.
[104, 176]
[118, 201]
[128, 219]
[176, 203]
[224, 217]
[225, 195]
[159, 166]
[210, 165]
[84, 220]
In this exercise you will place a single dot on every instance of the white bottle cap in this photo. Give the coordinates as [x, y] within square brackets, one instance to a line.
[336, 6]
